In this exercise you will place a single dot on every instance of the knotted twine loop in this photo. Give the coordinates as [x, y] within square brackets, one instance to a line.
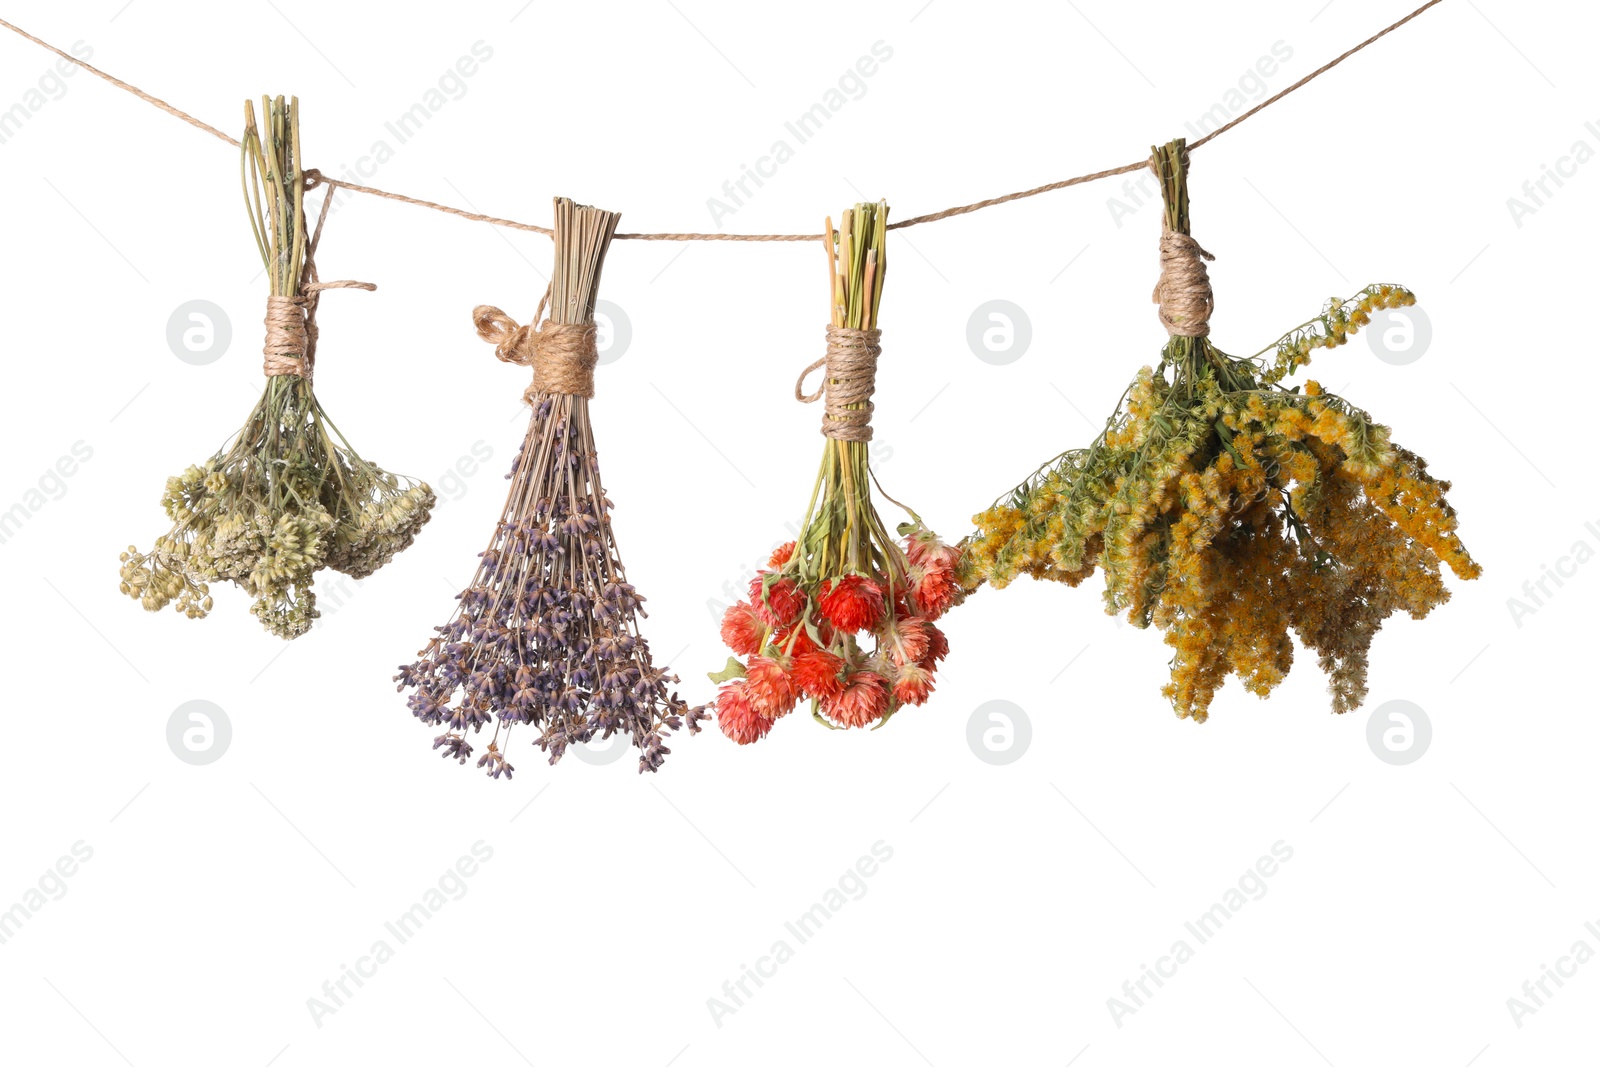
[563, 355]
[291, 342]
[849, 377]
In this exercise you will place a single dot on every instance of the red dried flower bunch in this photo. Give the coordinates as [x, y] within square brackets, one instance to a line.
[858, 645]
[844, 615]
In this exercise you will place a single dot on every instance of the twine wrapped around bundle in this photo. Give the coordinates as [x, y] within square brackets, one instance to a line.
[1184, 288]
[562, 354]
[848, 380]
[291, 343]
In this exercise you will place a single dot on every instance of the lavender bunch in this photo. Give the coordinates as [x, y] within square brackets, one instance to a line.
[547, 635]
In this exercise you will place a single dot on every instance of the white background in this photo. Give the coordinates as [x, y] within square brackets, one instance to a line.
[1018, 898]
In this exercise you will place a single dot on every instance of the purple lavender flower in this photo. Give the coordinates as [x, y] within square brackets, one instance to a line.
[547, 634]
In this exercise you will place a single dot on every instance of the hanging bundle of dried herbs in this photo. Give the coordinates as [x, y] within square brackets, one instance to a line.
[548, 634]
[844, 580]
[1228, 509]
[288, 495]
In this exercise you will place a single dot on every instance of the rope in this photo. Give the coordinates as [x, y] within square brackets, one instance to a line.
[1184, 288]
[849, 377]
[120, 84]
[315, 178]
[291, 322]
[284, 351]
[563, 355]
[917, 221]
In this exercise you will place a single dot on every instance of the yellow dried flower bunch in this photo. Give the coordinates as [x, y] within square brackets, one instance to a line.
[1229, 510]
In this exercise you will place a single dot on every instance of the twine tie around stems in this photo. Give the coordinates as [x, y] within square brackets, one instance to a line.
[563, 355]
[848, 379]
[1184, 288]
[288, 342]
[291, 343]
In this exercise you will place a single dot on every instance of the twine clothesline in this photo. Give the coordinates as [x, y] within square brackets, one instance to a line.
[316, 177]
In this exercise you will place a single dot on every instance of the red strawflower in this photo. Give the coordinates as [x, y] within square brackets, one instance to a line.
[938, 648]
[912, 684]
[768, 687]
[934, 590]
[909, 639]
[863, 701]
[795, 640]
[781, 555]
[816, 673]
[852, 603]
[743, 630]
[737, 718]
[782, 603]
[923, 548]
